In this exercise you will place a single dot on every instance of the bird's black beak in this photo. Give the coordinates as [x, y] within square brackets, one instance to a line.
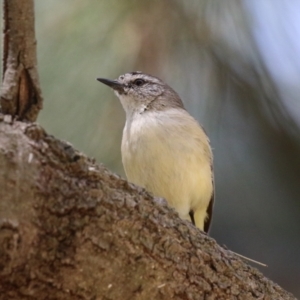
[114, 84]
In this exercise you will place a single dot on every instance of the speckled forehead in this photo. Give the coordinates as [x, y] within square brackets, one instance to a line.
[127, 77]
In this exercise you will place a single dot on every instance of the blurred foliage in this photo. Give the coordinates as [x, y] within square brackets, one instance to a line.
[236, 65]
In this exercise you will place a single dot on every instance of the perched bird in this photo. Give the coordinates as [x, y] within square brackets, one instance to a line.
[164, 149]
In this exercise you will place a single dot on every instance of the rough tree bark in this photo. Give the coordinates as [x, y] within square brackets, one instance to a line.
[70, 229]
[21, 95]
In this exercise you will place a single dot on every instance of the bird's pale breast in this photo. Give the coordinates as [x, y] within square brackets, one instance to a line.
[168, 153]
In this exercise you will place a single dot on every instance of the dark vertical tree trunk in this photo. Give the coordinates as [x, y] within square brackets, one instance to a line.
[20, 92]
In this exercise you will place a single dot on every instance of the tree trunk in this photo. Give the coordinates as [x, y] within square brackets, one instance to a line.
[70, 229]
[21, 96]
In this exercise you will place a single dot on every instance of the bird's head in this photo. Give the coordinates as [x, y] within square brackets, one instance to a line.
[139, 92]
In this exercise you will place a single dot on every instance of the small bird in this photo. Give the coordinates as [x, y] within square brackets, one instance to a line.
[164, 149]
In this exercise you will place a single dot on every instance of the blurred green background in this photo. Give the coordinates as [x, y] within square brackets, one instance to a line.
[236, 65]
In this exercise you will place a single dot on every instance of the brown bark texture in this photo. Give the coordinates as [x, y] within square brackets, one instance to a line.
[71, 229]
[21, 95]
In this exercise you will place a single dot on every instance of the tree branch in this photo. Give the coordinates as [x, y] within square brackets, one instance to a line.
[70, 229]
[20, 93]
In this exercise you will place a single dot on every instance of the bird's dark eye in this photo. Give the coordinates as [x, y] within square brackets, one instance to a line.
[139, 82]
